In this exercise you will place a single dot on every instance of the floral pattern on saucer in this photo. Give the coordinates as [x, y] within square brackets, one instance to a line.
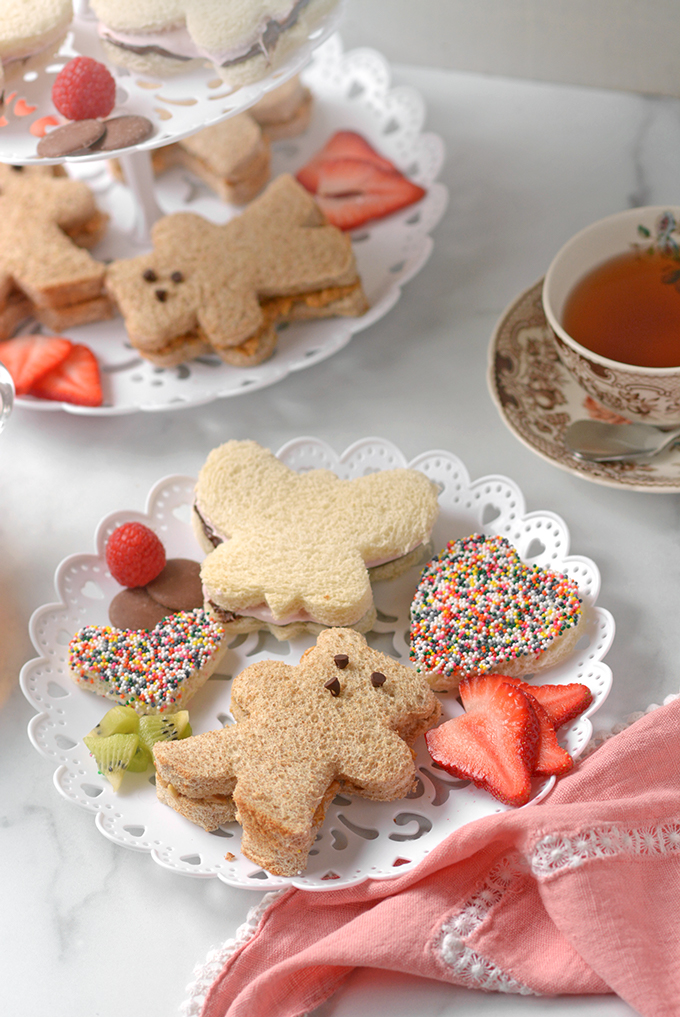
[538, 398]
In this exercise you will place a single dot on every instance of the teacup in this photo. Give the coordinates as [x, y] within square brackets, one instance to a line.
[6, 395]
[645, 394]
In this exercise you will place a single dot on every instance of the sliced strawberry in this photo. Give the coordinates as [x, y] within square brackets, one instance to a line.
[351, 192]
[494, 744]
[562, 703]
[343, 145]
[552, 759]
[29, 357]
[74, 380]
[353, 183]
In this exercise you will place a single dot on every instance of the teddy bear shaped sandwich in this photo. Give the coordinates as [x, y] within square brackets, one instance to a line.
[47, 223]
[344, 719]
[222, 288]
[296, 552]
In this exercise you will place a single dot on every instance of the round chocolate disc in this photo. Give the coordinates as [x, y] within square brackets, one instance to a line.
[178, 586]
[122, 132]
[135, 609]
[71, 139]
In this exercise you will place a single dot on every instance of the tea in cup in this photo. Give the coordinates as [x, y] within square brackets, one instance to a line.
[612, 299]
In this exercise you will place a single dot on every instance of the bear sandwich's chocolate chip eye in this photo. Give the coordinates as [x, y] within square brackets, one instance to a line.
[333, 686]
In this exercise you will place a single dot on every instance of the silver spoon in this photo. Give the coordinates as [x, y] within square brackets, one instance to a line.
[597, 442]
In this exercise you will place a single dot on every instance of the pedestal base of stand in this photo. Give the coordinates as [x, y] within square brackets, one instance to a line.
[139, 178]
[81, 9]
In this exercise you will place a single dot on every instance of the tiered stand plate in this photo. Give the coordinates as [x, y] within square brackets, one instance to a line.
[351, 90]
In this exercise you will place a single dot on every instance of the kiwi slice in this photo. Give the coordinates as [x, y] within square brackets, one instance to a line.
[167, 727]
[113, 754]
[119, 720]
[141, 760]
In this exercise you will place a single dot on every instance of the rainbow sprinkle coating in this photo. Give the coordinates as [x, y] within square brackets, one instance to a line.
[143, 668]
[478, 605]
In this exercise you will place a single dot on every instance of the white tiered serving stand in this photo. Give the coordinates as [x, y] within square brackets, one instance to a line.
[351, 91]
[177, 106]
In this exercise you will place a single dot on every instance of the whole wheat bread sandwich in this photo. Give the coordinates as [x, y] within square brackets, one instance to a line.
[297, 552]
[233, 157]
[47, 224]
[344, 719]
[223, 288]
[284, 112]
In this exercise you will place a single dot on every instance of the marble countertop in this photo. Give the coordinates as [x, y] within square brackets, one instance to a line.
[90, 928]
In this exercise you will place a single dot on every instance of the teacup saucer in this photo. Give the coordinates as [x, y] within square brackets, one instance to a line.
[537, 399]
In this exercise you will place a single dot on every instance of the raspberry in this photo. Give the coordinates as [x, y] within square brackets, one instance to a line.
[84, 89]
[134, 554]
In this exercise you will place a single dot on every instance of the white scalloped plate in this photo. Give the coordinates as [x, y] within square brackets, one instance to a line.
[351, 91]
[174, 105]
[359, 839]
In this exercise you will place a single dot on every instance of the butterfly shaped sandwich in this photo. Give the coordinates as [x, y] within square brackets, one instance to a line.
[297, 552]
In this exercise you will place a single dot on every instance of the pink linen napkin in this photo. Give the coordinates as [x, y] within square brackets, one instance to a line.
[579, 894]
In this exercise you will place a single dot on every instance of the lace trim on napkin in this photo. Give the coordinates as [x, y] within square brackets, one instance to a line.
[471, 968]
[206, 973]
[559, 851]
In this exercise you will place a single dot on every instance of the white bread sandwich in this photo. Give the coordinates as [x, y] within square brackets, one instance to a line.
[31, 32]
[243, 41]
[296, 552]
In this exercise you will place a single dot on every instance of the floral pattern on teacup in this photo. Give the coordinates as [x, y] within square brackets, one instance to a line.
[632, 394]
[662, 240]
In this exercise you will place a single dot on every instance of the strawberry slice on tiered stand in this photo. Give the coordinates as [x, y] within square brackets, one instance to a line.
[28, 358]
[53, 367]
[352, 183]
[75, 379]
